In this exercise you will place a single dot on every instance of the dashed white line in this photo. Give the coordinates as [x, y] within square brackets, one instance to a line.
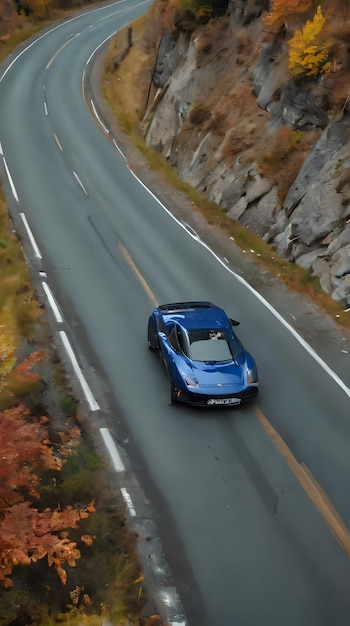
[31, 237]
[45, 108]
[12, 185]
[128, 501]
[112, 449]
[58, 142]
[52, 302]
[80, 183]
[94, 406]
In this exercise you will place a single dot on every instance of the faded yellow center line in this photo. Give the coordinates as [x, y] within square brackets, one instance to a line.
[305, 478]
[58, 51]
[310, 485]
[137, 273]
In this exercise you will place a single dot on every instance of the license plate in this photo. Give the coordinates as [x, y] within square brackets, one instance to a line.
[225, 401]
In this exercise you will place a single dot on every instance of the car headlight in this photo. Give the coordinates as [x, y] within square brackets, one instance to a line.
[252, 377]
[190, 382]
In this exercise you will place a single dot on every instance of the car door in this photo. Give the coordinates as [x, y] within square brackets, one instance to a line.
[171, 352]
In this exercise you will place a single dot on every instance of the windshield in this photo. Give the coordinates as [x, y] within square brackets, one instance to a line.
[209, 345]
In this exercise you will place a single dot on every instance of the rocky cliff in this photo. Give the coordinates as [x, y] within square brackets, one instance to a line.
[272, 149]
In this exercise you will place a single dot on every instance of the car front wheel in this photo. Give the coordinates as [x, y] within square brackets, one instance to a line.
[173, 395]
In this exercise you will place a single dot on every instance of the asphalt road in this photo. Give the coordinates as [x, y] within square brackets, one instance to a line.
[252, 505]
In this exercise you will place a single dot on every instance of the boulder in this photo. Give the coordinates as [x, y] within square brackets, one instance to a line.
[238, 209]
[260, 215]
[298, 108]
[265, 79]
[342, 291]
[332, 140]
[320, 210]
[284, 242]
[308, 259]
[341, 262]
[167, 59]
[278, 226]
[341, 239]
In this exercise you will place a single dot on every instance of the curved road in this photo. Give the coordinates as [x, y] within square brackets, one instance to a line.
[252, 505]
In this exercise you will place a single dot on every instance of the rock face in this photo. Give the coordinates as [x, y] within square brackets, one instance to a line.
[272, 151]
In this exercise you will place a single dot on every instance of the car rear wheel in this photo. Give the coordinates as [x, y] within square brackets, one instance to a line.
[152, 341]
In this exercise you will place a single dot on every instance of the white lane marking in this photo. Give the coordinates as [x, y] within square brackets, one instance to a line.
[119, 149]
[267, 305]
[45, 108]
[106, 130]
[112, 449]
[31, 237]
[58, 142]
[85, 387]
[80, 183]
[73, 19]
[171, 601]
[1, 150]
[128, 501]
[12, 185]
[52, 302]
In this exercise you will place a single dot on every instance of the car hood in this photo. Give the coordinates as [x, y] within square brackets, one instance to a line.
[212, 375]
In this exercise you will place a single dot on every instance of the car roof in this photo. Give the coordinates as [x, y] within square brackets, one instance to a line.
[194, 314]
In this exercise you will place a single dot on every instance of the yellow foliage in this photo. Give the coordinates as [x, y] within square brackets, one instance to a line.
[204, 12]
[309, 48]
[8, 346]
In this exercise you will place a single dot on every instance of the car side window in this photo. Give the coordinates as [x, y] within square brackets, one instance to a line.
[172, 334]
[178, 340]
[183, 341]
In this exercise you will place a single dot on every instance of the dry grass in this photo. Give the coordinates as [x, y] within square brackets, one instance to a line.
[19, 310]
[20, 34]
[129, 89]
[286, 155]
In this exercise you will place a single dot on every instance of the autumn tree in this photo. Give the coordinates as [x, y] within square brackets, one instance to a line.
[8, 18]
[310, 47]
[28, 534]
[203, 10]
[39, 8]
[16, 381]
[283, 14]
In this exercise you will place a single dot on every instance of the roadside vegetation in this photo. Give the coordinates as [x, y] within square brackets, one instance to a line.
[66, 554]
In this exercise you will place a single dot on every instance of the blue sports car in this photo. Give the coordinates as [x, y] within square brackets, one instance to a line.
[203, 357]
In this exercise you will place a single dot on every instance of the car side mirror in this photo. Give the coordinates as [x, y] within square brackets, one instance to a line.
[234, 322]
